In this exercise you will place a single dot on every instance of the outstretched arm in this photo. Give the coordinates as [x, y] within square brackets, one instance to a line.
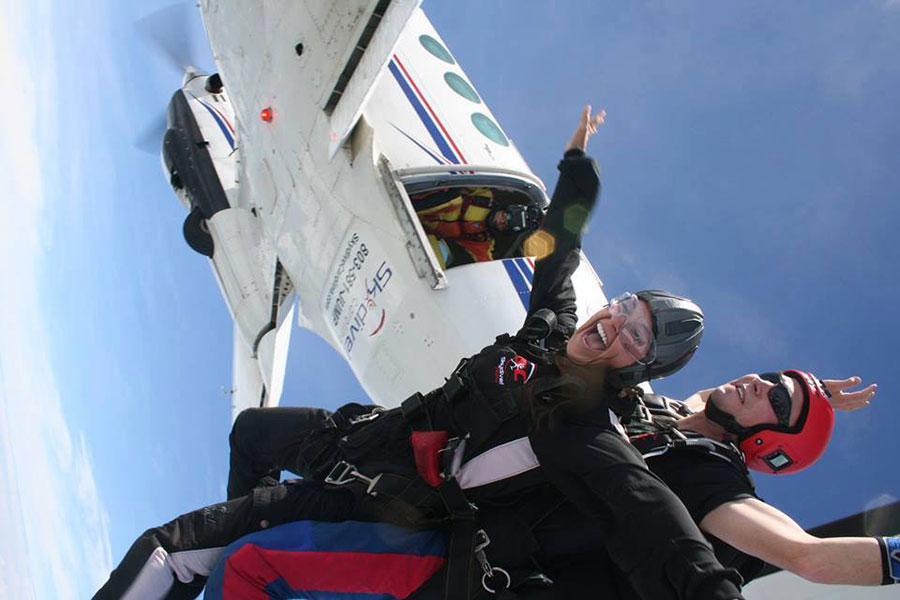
[843, 396]
[558, 242]
[756, 528]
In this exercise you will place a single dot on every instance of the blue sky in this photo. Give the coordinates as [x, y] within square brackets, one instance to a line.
[749, 161]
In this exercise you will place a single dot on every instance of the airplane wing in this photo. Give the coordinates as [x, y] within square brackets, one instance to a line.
[313, 64]
[248, 389]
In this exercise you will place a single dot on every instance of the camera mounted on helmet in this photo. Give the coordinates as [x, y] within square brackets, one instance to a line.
[515, 218]
[781, 447]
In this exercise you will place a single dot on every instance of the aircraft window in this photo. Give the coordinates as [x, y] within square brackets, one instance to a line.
[461, 87]
[436, 48]
[489, 129]
[476, 223]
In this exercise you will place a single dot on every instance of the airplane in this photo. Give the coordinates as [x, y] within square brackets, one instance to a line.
[300, 189]
[300, 162]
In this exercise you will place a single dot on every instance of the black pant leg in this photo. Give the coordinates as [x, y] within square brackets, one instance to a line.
[265, 441]
[172, 561]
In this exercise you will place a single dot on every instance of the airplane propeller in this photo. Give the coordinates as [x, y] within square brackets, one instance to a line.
[170, 31]
[150, 138]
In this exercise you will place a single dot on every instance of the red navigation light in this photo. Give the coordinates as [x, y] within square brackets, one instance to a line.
[266, 114]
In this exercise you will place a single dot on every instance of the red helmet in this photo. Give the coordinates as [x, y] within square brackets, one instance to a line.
[783, 449]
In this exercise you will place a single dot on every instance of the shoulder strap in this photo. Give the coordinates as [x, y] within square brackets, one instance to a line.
[659, 442]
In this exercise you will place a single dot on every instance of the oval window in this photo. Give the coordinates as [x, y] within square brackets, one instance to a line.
[461, 87]
[436, 48]
[486, 126]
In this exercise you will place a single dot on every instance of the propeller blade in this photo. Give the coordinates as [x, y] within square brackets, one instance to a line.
[150, 139]
[170, 31]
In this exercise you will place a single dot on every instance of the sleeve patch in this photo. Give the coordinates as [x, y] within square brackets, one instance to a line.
[513, 370]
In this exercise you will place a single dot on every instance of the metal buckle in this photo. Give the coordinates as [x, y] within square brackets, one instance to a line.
[344, 473]
[448, 466]
[494, 571]
[644, 413]
[482, 541]
[376, 412]
[539, 579]
[338, 475]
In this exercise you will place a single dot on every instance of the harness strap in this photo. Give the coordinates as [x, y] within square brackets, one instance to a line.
[461, 555]
[660, 442]
[415, 409]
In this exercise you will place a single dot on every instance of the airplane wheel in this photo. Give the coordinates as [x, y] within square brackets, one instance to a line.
[196, 233]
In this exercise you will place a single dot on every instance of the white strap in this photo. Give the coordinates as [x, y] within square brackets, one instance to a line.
[500, 462]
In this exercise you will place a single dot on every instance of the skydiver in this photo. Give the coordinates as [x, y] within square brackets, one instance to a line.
[500, 393]
[468, 225]
[496, 396]
[774, 422]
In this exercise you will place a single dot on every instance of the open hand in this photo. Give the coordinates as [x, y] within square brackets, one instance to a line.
[843, 398]
[587, 126]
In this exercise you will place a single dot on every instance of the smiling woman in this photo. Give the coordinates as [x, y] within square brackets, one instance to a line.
[618, 335]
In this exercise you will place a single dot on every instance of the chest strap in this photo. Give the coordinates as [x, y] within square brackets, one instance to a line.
[659, 442]
[417, 408]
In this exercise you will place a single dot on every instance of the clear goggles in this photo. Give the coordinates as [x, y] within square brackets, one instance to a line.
[635, 333]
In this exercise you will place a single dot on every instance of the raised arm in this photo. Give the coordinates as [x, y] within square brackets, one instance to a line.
[756, 528]
[843, 396]
[558, 242]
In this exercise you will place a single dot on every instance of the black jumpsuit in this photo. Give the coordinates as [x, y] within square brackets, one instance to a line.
[648, 532]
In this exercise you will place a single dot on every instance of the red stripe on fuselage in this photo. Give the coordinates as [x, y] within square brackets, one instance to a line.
[430, 110]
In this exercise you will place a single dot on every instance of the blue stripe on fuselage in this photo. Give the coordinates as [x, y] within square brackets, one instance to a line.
[219, 121]
[526, 270]
[437, 158]
[423, 114]
[518, 282]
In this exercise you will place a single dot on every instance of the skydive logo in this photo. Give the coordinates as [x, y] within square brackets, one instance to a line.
[521, 369]
[368, 305]
[516, 369]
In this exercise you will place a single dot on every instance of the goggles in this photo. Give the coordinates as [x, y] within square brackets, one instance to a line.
[779, 397]
[635, 333]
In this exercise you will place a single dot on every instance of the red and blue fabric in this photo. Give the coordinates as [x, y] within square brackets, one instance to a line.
[313, 560]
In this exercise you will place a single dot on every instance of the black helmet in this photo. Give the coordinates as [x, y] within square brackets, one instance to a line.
[519, 217]
[678, 327]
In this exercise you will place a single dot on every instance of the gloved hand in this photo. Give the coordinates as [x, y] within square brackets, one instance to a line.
[890, 547]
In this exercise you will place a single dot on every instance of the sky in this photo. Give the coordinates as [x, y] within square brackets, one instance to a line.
[749, 159]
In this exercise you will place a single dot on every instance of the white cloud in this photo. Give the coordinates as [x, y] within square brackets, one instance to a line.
[56, 541]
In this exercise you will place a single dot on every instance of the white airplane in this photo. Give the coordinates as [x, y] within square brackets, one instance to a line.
[297, 175]
[297, 162]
